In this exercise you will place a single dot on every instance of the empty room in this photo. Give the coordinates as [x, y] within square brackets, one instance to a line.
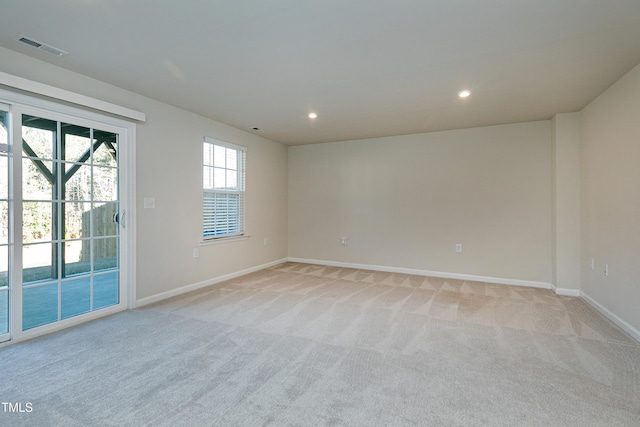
[320, 213]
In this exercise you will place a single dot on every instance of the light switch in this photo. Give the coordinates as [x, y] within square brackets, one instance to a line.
[149, 203]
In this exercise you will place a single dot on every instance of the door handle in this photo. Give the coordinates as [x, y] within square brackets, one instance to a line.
[118, 218]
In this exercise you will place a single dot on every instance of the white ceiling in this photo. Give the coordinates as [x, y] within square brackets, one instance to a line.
[368, 67]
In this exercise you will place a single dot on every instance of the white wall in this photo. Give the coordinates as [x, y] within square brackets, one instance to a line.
[169, 154]
[169, 169]
[610, 183]
[406, 201]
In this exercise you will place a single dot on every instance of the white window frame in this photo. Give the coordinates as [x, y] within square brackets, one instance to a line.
[209, 190]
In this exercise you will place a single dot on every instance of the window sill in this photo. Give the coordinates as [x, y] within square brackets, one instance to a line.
[221, 240]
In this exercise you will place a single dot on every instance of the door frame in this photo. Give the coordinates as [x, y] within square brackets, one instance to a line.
[27, 104]
[6, 336]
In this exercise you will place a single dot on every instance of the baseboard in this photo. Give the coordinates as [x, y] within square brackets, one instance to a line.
[609, 315]
[566, 292]
[195, 286]
[444, 275]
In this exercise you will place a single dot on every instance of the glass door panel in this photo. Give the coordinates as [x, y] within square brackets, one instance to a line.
[70, 236]
[39, 203]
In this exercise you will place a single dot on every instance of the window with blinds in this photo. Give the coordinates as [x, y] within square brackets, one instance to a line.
[223, 173]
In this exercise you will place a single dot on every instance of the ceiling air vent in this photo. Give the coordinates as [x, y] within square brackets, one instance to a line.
[41, 46]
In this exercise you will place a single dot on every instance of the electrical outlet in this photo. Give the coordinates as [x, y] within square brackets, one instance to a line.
[606, 269]
[593, 263]
[265, 241]
[196, 252]
[343, 241]
[459, 247]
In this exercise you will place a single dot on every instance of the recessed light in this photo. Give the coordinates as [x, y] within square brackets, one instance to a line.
[464, 93]
[312, 115]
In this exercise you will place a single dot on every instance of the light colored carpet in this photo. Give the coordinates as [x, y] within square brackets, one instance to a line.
[306, 345]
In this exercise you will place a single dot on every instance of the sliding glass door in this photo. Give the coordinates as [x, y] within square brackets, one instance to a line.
[65, 250]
